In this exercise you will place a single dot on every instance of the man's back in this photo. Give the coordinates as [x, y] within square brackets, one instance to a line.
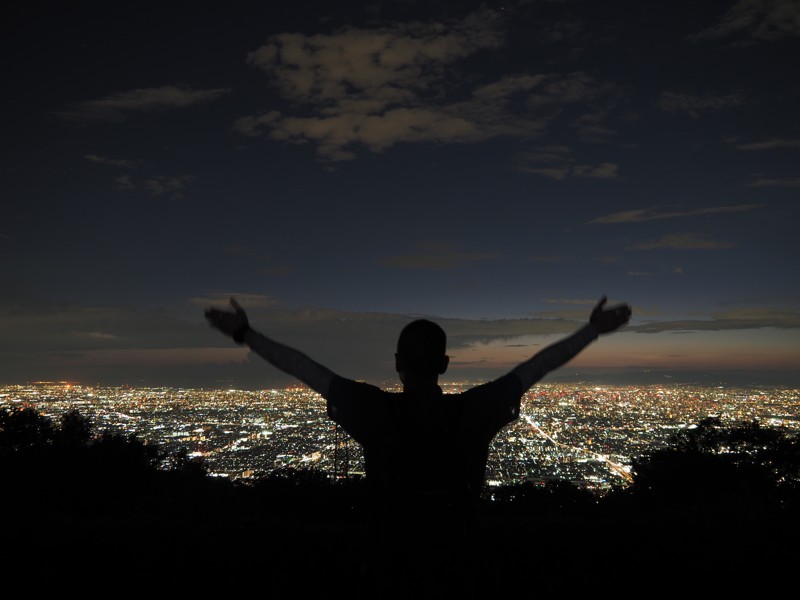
[425, 456]
[427, 442]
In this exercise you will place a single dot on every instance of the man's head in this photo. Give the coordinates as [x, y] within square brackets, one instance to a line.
[421, 351]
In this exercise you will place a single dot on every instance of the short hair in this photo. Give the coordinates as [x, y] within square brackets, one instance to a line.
[422, 345]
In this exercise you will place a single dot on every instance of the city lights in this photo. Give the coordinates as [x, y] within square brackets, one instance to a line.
[585, 434]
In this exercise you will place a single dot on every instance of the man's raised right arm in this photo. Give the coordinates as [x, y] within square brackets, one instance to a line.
[602, 320]
[295, 363]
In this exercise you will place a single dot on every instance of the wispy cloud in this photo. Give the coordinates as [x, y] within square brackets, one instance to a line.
[653, 214]
[693, 104]
[765, 20]
[753, 318]
[575, 87]
[593, 126]
[121, 106]
[171, 185]
[556, 162]
[436, 255]
[601, 171]
[577, 309]
[772, 144]
[96, 335]
[75, 328]
[222, 300]
[547, 154]
[278, 270]
[573, 314]
[113, 162]
[125, 182]
[775, 183]
[681, 241]
[546, 259]
[581, 302]
[557, 173]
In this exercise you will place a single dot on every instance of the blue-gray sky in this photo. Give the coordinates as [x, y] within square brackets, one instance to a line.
[342, 169]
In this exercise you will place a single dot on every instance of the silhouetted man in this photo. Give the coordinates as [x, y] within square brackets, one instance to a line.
[425, 452]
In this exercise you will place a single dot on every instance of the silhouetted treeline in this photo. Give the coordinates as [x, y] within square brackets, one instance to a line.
[716, 510]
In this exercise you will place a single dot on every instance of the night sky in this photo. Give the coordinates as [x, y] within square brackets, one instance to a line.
[494, 166]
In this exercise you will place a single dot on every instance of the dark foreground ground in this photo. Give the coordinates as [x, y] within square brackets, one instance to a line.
[183, 543]
[97, 518]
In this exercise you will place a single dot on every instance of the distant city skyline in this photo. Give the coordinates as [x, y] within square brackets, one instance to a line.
[342, 170]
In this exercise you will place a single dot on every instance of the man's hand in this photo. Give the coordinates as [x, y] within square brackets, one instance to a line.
[233, 324]
[606, 320]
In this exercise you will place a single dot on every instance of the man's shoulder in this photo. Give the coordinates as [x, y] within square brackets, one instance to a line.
[507, 385]
[342, 387]
[489, 407]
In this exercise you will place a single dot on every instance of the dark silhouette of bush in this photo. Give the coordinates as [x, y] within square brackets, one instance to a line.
[67, 467]
[312, 495]
[126, 511]
[718, 505]
[737, 466]
[22, 430]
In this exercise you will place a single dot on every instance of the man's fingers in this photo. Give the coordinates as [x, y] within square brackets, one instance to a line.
[599, 306]
[236, 306]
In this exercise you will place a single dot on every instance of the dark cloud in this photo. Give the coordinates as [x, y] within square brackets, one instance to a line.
[601, 171]
[765, 20]
[125, 182]
[581, 301]
[70, 327]
[574, 314]
[653, 214]
[278, 270]
[775, 183]
[681, 241]
[222, 300]
[436, 255]
[756, 318]
[546, 259]
[113, 162]
[124, 105]
[772, 144]
[169, 185]
[576, 87]
[556, 162]
[557, 173]
[694, 105]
